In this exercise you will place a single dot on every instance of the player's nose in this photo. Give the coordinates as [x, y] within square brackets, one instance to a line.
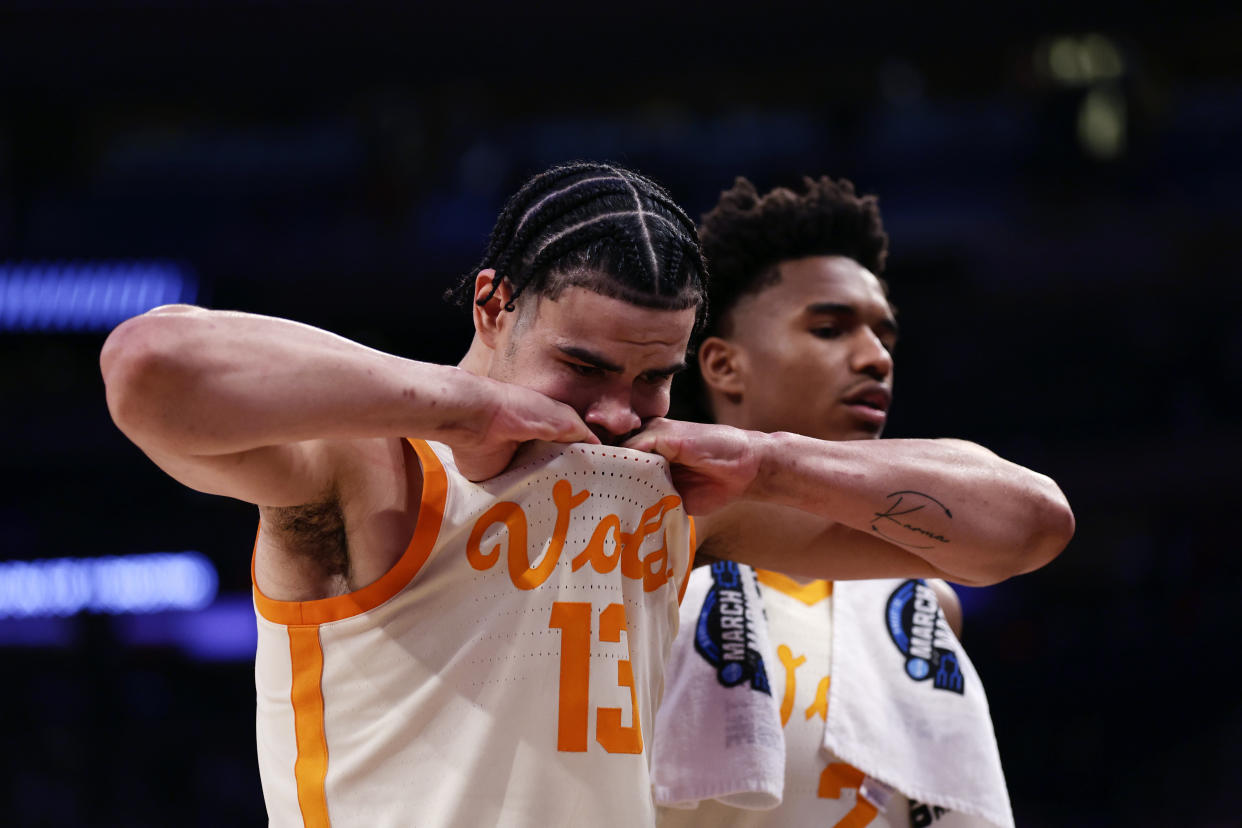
[871, 357]
[612, 417]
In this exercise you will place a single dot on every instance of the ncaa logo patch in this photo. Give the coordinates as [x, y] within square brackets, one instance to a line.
[918, 628]
[724, 634]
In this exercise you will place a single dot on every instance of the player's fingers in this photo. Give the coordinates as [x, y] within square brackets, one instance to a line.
[577, 432]
[565, 426]
[653, 443]
[661, 436]
[641, 441]
[539, 417]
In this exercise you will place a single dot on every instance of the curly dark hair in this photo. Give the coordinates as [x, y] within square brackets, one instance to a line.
[597, 226]
[746, 235]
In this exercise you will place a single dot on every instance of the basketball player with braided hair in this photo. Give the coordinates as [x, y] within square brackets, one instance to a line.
[801, 340]
[465, 583]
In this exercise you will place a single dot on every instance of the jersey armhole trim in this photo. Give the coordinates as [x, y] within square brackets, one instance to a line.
[426, 531]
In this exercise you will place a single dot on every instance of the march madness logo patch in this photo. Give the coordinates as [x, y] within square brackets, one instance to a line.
[724, 635]
[918, 628]
[923, 815]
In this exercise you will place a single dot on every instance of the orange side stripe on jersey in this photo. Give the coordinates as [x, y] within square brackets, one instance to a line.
[311, 767]
[426, 530]
[809, 594]
[681, 593]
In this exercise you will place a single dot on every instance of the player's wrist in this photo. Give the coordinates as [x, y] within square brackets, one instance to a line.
[783, 459]
[454, 406]
[759, 457]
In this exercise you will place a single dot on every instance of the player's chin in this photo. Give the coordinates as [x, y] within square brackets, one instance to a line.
[870, 435]
[867, 431]
[857, 428]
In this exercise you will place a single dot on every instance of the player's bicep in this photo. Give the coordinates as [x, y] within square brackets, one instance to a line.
[282, 475]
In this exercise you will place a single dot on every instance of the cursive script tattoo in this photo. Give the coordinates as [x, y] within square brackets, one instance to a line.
[891, 516]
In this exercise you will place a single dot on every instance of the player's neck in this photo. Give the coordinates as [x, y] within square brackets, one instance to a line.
[478, 358]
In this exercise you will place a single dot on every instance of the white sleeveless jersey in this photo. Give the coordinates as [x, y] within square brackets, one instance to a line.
[820, 790]
[505, 671]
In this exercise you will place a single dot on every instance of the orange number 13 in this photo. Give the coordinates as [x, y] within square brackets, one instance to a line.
[573, 619]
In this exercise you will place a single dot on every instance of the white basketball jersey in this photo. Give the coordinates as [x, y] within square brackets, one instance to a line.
[819, 790]
[505, 671]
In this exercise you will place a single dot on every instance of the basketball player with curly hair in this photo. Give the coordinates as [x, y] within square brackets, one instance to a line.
[802, 340]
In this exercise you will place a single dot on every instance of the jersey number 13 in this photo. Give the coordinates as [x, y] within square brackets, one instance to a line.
[573, 619]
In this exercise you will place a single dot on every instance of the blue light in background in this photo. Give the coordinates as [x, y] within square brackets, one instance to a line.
[224, 631]
[112, 585]
[87, 296]
[37, 632]
[977, 602]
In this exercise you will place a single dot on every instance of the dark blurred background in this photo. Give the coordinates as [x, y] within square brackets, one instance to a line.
[1060, 181]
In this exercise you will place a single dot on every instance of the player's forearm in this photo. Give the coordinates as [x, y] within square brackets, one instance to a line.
[205, 382]
[971, 514]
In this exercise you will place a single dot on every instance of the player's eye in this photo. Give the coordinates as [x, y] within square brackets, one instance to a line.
[826, 332]
[585, 370]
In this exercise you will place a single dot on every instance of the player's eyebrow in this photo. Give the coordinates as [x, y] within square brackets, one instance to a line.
[669, 371]
[594, 360]
[826, 308]
[597, 361]
[888, 323]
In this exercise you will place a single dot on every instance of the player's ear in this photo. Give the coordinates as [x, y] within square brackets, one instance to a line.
[491, 316]
[722, 364]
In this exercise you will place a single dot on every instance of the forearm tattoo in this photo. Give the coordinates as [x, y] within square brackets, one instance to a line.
[896, 525]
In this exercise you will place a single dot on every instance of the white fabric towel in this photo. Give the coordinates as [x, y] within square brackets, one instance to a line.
[718, 731]
[905, 704]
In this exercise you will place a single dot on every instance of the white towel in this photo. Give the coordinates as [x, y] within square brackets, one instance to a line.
[906, 705]
[923, 730]
[718, 731]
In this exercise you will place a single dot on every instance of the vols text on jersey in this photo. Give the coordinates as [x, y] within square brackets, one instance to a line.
[652, 569]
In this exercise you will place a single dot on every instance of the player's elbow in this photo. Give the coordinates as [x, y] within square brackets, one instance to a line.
[1054, 525]
[138, 360]
[1049, 530]
[1033, 536]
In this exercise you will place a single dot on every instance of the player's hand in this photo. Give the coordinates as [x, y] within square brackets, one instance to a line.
[514, 416]
[712, 465]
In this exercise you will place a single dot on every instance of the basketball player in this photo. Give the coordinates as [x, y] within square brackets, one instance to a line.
[802, 340]
[447, 652]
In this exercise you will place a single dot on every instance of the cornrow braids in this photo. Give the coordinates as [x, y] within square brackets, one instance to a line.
[746, 235]
[597, 226]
